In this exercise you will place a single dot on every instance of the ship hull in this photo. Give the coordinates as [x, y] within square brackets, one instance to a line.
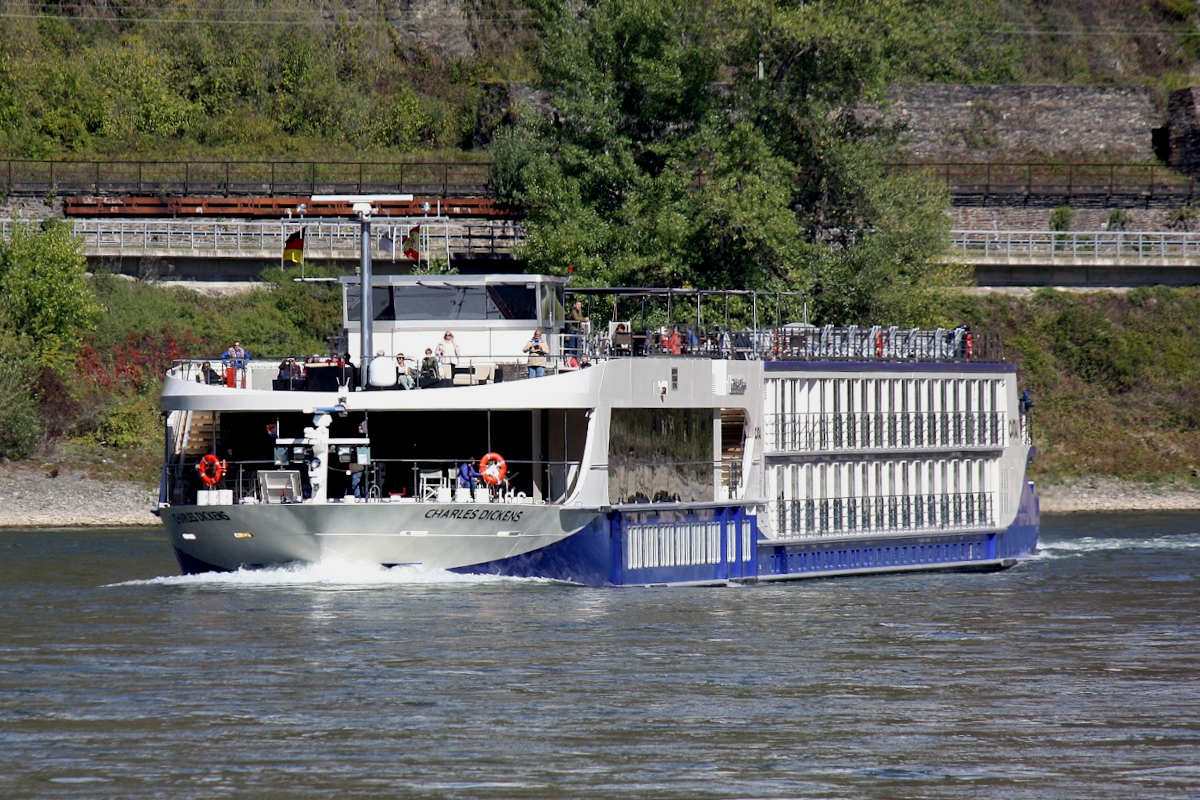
[442, 536]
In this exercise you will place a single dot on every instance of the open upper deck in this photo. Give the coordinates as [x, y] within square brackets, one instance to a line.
[487, 358]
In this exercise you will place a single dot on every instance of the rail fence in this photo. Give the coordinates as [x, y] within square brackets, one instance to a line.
[988, 182]
[24, 177]
[1059, 184]
[1130, 247]
[324, 239]
[439, 237]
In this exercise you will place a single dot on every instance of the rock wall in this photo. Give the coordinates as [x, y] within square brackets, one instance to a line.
[1000, 218]
[1183, 132]
[947, 122]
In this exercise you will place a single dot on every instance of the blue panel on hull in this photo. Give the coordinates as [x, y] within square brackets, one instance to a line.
[644, 547]
[584, 557]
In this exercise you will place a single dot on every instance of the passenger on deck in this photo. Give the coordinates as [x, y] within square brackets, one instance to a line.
[290, 370]
[575, 322]
[430, 371]
[537, 349]
[234, 360]
[468, 476]
[235, 356]
[447, 348]
[208, 375]
[404, 377]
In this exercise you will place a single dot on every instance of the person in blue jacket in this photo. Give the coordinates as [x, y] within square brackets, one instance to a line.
[468, 476]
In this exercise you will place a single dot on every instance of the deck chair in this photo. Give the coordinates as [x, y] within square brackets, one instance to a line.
[430, 481]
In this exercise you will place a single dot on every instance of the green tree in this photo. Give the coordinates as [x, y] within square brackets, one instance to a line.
[20, 423]
[44, 293]
[717, 144]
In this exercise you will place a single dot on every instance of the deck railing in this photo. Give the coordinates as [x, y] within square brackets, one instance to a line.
[871, 431]
[873, 514]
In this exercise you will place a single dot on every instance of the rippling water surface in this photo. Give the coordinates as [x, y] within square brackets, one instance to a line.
[1076, 675]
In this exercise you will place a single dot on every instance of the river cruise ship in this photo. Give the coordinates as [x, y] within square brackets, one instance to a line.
[641, 450]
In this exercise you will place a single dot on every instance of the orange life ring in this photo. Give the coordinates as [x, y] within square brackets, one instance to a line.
[501, 468]
[211, 469]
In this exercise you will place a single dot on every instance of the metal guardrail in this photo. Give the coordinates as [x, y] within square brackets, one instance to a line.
[1125, 247]
[998, 181]
[326, 239]
[441, 237]
[29, 177]
[1124, 184]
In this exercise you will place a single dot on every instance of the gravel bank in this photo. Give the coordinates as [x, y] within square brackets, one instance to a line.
[35, 498]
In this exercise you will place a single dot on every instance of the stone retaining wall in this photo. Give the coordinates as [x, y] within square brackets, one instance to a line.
[950, 122]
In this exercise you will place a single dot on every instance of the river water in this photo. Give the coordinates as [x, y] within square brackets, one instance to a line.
[1075, 675]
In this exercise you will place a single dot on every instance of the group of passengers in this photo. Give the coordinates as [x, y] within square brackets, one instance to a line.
[427, 372]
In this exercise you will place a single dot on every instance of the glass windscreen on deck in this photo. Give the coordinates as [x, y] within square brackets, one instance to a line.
[660, 455]
[434, 302]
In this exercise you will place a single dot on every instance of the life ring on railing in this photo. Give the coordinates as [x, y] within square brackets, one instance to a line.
[211, 470]
[879, 344]
[492, 468]
[970, 346]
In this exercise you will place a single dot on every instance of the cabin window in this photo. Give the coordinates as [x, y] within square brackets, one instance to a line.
[446, 302]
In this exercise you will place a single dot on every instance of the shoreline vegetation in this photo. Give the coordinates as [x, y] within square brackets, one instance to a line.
[32, 497]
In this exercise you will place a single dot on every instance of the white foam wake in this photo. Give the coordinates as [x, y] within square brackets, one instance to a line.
[346, 574]
[1097, 544]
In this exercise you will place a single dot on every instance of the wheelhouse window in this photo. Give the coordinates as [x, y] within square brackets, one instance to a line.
[445, 302]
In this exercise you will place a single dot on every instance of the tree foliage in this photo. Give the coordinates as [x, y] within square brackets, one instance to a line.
[717, 145]
[255, 79]
[44, 295]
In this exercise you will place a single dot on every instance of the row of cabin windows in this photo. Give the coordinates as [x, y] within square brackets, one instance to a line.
[862, 496]
[859, 413]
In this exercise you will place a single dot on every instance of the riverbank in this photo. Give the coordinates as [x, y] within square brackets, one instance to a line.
[32, 497]
[39, 498]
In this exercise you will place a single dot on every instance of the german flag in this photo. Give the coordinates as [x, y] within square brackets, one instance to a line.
[293, 248]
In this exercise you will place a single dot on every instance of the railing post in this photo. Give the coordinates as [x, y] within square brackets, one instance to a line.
[227, 179]
[360, 182]
[187, 176]
[272, 178]
[96, 188]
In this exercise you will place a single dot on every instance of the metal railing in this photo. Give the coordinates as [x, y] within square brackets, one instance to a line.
[873, 514]
[30, 177]
[1003, 182]
[442, 237]
[988, 180]
[389, 480]
[1126, 246]
[867, 431]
